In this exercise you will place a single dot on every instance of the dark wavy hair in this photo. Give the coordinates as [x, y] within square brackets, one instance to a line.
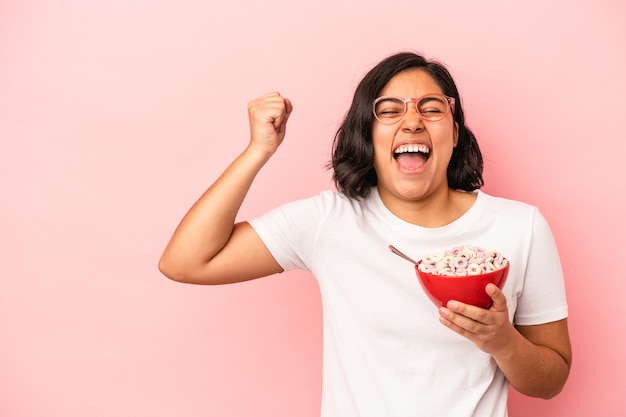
[353, 152]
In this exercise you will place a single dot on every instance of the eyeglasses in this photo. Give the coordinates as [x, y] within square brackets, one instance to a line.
[431, 107]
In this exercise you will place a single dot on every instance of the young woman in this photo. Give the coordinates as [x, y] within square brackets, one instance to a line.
[408, 172]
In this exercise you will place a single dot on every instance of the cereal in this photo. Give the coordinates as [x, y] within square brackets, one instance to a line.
[462, 261]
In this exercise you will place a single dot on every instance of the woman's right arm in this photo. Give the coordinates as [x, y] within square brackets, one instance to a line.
[207, 246]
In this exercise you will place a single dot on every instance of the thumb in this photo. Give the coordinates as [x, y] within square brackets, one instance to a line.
[497, 296]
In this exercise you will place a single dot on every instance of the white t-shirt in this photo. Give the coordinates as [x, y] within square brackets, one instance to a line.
[385, 352]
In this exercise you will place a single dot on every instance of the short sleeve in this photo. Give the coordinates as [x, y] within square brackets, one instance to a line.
[543, 298]
[290, 231]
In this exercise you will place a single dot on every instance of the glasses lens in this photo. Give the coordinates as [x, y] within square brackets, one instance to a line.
[389, 110]
[433, 108]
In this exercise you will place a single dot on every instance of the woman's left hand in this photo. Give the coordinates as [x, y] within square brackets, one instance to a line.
[490, 329]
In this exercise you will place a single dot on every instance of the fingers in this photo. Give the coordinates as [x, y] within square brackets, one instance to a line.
[485, 328]
[285, 116]
[271, 108]
[476, 314]
[464, 318]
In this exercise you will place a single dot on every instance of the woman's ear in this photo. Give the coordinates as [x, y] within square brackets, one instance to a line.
[456, 134]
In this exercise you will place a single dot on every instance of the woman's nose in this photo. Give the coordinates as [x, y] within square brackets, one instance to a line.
[412, 120]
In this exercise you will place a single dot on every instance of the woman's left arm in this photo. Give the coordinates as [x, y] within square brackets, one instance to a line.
[535, 359]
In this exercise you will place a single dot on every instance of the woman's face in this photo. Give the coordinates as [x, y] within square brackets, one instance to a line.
[411, 156]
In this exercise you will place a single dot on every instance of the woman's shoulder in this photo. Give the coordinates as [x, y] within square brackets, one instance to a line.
[506, 205]
[504, 201]
[323, 202]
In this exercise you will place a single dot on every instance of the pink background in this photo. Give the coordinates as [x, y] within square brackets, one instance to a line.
[115, 115]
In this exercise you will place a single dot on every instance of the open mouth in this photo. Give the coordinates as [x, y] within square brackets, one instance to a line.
[411, 157]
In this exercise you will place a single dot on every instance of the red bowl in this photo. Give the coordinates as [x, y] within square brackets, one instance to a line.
[468, 289]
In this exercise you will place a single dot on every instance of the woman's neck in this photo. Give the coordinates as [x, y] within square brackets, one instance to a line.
[431, 211]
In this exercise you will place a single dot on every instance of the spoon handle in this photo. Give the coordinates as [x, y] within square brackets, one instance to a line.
[400, 254]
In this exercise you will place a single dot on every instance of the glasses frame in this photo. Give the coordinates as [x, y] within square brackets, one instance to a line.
[406, 101]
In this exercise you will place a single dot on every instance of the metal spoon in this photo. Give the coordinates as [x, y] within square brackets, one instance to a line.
[400, 254]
